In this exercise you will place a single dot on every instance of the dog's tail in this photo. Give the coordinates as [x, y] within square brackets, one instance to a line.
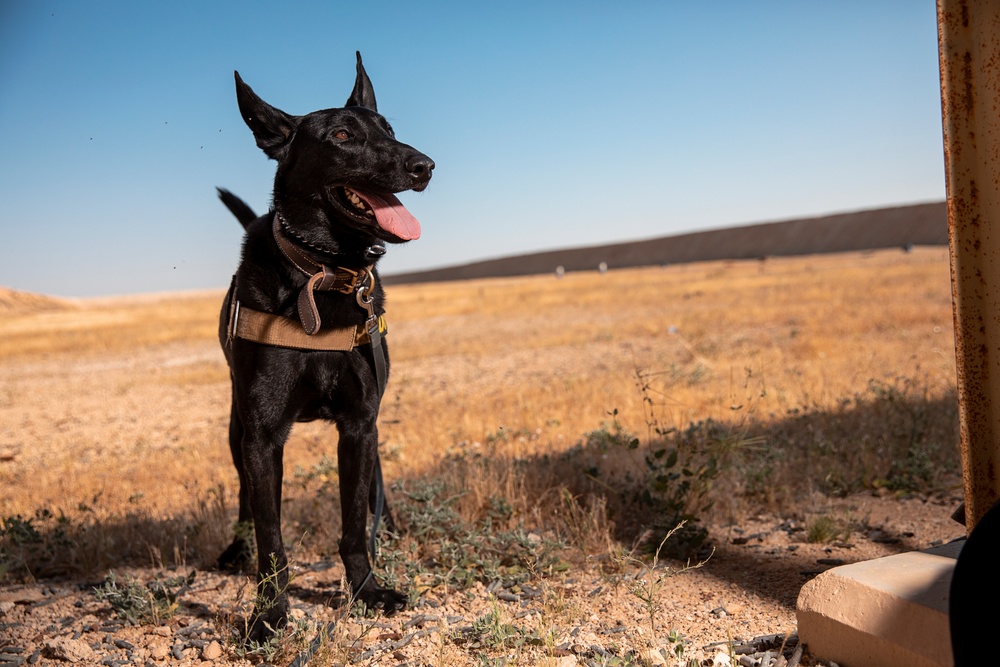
[237, 207]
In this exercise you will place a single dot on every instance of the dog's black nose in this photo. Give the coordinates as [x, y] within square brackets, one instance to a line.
[419, 167]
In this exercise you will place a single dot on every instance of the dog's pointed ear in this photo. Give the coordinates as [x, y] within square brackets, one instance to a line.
[363, 94]
[271, 127]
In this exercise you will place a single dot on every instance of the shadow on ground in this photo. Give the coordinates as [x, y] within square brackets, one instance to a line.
[482, 515]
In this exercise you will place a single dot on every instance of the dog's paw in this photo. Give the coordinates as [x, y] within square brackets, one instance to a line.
[384, 600]
[265, 623]
[238, 557]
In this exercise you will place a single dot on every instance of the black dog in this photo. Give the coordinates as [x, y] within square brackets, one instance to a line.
[307, 271]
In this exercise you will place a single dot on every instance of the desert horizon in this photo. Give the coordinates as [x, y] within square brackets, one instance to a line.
[903, 226]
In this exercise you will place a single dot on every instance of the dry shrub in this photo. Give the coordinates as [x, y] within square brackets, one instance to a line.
[89, 539]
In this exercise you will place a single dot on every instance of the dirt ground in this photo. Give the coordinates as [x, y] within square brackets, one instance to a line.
[747, 588]
[68, 419]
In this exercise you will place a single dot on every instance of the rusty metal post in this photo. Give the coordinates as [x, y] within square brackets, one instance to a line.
[969, 52]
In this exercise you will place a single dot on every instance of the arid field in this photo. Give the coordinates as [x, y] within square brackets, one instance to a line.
[540, 437]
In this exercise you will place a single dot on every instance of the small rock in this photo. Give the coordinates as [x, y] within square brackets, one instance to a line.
[178, 651]
[564, 661]
[654, 657]
[159, 650]
[161, 631]
[721, 659]
[70, 650]
[211, 652]
[420, 620]
[6, 606]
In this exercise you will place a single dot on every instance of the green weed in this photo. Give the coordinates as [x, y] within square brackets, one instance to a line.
[647, 587]
[492, 632]
[441, 548]
[673, 471]
[140, 604]
[28, 545]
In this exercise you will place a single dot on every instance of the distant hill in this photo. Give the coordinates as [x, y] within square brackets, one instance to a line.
[16, 302]
[896, 227]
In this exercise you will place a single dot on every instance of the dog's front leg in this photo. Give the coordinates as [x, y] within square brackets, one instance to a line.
[262, 454]
[356, 454]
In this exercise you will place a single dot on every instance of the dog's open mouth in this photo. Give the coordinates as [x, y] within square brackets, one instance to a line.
[384, 211]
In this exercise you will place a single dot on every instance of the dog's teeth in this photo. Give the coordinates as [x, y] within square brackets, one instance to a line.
[357, 202]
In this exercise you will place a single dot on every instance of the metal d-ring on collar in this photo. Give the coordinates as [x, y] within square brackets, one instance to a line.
[374, 251]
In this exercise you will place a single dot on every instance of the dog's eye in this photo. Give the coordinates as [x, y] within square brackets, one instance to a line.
[343, 135]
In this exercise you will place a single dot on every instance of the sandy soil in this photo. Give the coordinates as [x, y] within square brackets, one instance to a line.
[746, 590]
[61, 415]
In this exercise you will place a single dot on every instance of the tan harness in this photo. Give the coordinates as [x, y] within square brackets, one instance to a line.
[268, 329]
[306, 334]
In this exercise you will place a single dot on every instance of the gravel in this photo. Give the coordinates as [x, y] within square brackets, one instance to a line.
[745, 594]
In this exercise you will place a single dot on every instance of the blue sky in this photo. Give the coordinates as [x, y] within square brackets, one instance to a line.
[553, 124]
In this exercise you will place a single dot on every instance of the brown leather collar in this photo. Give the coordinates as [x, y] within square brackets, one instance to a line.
[320, 277]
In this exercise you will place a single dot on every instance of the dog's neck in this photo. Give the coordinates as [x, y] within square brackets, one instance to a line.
[363, 255]
[359, 282]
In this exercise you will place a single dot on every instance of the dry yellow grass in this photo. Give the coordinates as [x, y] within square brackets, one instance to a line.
[557, 355]
[106, 326]
[115, 413]
[122, 399]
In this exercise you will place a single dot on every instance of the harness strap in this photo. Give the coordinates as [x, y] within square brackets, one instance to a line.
[278, 331]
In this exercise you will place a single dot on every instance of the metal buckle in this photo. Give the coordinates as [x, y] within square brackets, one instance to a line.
[345, 280]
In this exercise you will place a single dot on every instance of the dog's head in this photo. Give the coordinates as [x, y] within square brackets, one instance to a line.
[339, 168]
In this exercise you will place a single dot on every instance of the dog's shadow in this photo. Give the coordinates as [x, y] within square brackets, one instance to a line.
[333, 597]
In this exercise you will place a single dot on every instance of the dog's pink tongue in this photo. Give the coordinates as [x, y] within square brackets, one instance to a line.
[392, 216]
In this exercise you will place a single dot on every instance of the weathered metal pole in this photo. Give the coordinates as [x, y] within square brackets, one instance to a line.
[969, 52]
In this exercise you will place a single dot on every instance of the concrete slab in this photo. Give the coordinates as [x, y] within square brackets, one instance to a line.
[889, 612]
